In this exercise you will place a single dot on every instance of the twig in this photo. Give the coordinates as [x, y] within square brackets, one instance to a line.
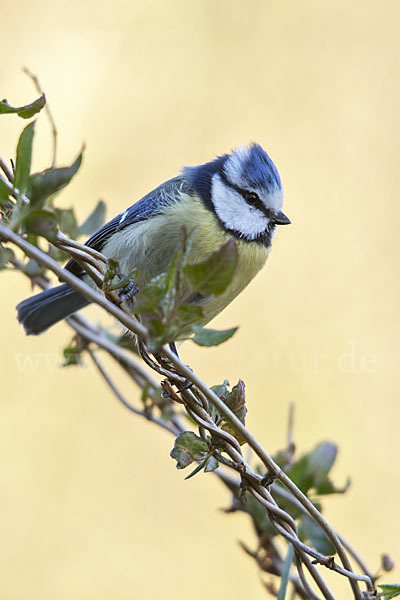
[357, 558]
[49, 115]
[82, 256]
[6, 170]
[13, 191]
[303, 579]
[123, 400]
[267, 500]
[176, 427]
[169, 358]
[87, 331]
[69, 244]
[9, 236]
[284, 493]
[93, 334]
[290, 437]
[268, 462]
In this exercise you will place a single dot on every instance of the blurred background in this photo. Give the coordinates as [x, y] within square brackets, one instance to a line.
[91, 504]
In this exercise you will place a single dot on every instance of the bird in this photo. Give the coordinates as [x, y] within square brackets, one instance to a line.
[236, 195]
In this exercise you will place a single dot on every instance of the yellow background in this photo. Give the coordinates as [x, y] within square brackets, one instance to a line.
[91, 505]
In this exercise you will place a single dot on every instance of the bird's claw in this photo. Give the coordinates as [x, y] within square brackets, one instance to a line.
[128, 291]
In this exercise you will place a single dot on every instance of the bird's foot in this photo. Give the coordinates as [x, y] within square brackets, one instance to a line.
[128, 292]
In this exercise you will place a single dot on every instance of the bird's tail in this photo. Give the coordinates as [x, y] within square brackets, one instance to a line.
[40, 312]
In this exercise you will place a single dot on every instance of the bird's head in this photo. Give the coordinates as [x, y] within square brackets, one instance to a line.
[244, 191]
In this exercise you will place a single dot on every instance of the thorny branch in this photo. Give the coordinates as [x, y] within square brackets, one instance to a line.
[196, 402]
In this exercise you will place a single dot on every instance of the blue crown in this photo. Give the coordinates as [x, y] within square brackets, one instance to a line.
[256, 171]
[259, 171]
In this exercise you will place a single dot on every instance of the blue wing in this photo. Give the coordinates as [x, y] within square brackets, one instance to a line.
[153, 203]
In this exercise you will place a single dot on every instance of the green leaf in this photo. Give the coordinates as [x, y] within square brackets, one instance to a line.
[4, 194]
[24, 158]
[111, 271]
[213, 275]
[199, 468]
[124, 280]
[41, 222]
[6, 255]
[33, 268]
[156, 331]
[190, 313]
[48, 182]
[259, 515]
[211, 337]
[58, 255]
[25, 112]
[311, 531]
[221, 389]
[19, 211]
[179, 325]
[320, 463]
[171, 274]
[236, 401]
[188, 448]
[187, 243]
[328, 487]
[389, 591]
[95, 220]
[145, 394]
[211, 464]
[66, 221]
[149, 299]
[125, 341]
[297, 471]
[311, 470]
[285, 573]
[72, 356]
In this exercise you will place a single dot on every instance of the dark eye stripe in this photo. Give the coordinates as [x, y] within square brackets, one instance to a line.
[256, 202]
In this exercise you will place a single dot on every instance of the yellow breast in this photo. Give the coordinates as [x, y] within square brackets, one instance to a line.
[209, 238]
[150, 246]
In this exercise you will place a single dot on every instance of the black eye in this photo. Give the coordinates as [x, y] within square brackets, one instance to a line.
[251, 198]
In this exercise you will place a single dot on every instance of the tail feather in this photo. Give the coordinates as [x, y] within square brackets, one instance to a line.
[40, 312]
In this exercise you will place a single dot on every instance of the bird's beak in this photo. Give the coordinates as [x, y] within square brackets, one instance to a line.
[281, 219]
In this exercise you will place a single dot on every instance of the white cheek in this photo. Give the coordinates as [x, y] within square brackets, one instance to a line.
[234, 212]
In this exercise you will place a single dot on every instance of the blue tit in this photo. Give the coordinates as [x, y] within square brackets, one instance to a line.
[237, 194]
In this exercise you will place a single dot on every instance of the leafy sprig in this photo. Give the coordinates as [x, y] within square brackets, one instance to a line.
[168, 311]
